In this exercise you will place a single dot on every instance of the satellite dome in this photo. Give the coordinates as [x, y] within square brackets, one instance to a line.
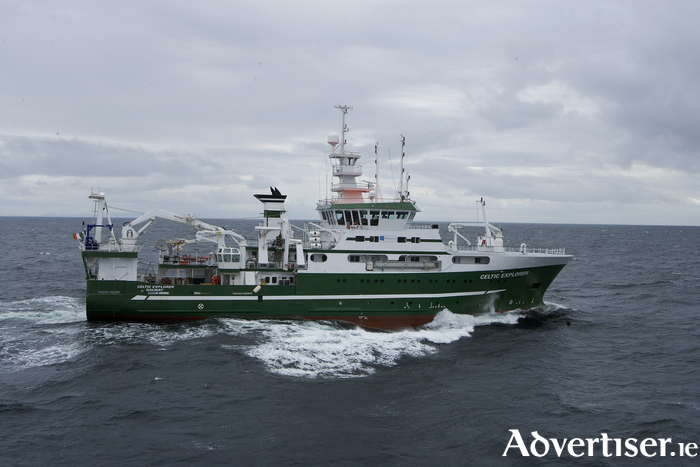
[333, 139]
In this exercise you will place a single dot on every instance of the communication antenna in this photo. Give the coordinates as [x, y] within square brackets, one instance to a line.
[345, 109]
[376, 171]
[401, 183]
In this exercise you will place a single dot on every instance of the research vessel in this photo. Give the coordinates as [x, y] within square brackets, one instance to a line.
[365, 261]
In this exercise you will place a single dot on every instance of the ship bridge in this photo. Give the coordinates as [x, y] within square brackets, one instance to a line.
[357, 204]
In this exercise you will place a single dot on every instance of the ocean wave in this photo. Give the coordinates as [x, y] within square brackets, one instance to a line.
[162, 335]
[44, 310]
[18, 356]
[314, 349]
[309, 349]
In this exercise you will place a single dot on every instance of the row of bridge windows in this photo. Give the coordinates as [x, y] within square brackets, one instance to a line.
[362, 216]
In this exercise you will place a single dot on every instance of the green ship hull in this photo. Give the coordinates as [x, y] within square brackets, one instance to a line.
[380, 300]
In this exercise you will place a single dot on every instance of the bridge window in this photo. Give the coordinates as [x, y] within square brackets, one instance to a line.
[374, 218]
[339, 217]
[228, 255]
[364, 218]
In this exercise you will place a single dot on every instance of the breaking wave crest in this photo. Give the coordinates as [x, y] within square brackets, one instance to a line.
[32, 332]
[317, 349]
[52, 330]
[44, 310]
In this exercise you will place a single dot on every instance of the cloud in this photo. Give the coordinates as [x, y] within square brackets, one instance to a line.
[581, 108]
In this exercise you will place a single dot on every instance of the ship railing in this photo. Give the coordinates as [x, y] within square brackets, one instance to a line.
[423, 226]
[274, 265]
[112, 247]
[340, 186]
[347, 169]
[187, 260]
[506, 249]
[335, 200]
[318, 245]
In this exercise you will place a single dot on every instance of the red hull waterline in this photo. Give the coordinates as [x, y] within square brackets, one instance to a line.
[384, 323]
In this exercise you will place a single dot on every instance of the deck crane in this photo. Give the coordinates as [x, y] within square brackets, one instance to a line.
[205, 231]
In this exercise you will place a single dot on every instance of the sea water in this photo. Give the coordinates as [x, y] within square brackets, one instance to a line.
[616, 351]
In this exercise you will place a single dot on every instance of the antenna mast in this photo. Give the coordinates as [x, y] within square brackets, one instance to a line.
[344, 109]
[403, 154]
[376, 171]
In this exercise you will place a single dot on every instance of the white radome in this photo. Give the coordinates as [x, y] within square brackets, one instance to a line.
[333, 139]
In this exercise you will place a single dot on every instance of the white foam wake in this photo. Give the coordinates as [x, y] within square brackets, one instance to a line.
[44, 310]
[317, 349]
[50, 330]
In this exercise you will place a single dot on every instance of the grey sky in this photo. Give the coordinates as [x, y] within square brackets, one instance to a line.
[554, 111]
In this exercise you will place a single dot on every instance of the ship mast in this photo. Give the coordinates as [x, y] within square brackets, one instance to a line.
[345, 167]
[403, 193]
[344, 109]
[377, 191]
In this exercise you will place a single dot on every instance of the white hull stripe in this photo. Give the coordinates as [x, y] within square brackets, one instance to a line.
[202, 298]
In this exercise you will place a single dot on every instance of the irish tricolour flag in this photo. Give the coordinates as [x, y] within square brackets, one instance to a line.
[79, 235]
